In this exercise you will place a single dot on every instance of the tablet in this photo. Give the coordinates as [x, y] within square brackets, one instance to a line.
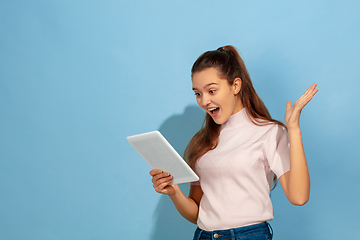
[159, 154]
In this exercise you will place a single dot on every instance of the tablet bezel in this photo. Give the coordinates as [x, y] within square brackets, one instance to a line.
[159, 154]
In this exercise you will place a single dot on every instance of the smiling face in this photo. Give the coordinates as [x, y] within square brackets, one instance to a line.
[215, 95]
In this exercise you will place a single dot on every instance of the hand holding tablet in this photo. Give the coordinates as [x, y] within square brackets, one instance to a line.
[159, 154]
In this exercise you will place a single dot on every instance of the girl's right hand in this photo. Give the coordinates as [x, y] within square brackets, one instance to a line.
[161, 182]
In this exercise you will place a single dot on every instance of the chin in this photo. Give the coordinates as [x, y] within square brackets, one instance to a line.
[219, 121]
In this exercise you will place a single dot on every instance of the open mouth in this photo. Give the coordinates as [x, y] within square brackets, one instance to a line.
[214, 111]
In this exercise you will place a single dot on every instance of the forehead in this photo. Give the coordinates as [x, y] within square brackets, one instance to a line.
[206, 78]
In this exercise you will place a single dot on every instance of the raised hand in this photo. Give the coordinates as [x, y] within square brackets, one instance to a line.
[292, 114]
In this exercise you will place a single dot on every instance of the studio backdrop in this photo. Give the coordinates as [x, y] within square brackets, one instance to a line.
[78, 77]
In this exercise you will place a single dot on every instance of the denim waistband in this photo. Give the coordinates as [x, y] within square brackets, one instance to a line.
[261, 228]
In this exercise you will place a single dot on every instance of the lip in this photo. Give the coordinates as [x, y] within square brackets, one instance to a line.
[211, 108]
[212, 114]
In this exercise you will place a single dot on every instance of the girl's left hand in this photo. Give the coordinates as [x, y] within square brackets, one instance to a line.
[292, 114]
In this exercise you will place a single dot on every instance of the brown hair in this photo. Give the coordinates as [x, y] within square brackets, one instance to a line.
[227, 61]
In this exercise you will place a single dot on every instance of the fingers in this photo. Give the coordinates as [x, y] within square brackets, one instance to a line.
[161, 187]
[160, 180]
[161, 177]
[312, 90]
[293, 112]
[306, 97]
[288, 105]
[155, 171]
[157, 174]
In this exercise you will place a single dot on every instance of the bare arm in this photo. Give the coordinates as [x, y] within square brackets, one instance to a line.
[188, 207]
[296, 182]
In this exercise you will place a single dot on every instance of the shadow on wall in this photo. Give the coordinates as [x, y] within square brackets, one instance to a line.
[178, 130]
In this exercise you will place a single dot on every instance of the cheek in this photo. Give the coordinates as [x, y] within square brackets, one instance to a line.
[229, 101]
[198, 102]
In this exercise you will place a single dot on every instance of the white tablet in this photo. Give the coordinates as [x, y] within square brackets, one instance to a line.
[159, 154]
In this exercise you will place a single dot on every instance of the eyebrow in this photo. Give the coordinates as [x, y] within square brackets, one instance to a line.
[207, 85]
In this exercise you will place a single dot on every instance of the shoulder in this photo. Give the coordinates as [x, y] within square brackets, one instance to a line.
[264, 131]
[276, 133]
[268, 126]
[277, 128]
[269, 130]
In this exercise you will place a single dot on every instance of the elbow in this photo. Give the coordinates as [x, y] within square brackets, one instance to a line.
[299, 201]
[191, 219]
[299, 197]
[194, 221]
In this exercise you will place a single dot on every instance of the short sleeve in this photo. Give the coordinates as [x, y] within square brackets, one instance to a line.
[277, 151]
[197, 183]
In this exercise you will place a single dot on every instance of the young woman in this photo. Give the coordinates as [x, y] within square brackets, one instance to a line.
[237, 154]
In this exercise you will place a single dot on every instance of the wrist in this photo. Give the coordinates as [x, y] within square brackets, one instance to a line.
[176, 191]
[295, 129]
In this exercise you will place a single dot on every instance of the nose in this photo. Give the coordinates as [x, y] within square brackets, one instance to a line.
[205, 100]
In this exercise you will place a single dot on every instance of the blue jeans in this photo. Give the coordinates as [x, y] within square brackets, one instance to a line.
[259, 231]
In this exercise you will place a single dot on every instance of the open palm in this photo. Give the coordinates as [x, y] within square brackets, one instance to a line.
[292, 114]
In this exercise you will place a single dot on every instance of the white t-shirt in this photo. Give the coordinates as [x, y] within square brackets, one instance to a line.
[236, 177]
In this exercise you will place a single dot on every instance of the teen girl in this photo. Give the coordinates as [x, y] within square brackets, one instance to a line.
[237, 154]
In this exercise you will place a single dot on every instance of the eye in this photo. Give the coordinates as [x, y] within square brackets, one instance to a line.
[212, 91]
[197, 94]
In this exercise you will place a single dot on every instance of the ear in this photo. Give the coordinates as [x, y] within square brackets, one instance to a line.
[236, 86]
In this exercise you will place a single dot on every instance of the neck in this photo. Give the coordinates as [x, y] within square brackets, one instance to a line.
[238, 106]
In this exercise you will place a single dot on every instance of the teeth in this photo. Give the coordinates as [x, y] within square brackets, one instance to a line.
[211, 109]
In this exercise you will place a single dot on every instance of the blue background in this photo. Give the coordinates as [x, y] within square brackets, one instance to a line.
[77, 77]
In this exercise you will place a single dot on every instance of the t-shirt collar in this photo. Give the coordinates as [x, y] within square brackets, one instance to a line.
[236, 120]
